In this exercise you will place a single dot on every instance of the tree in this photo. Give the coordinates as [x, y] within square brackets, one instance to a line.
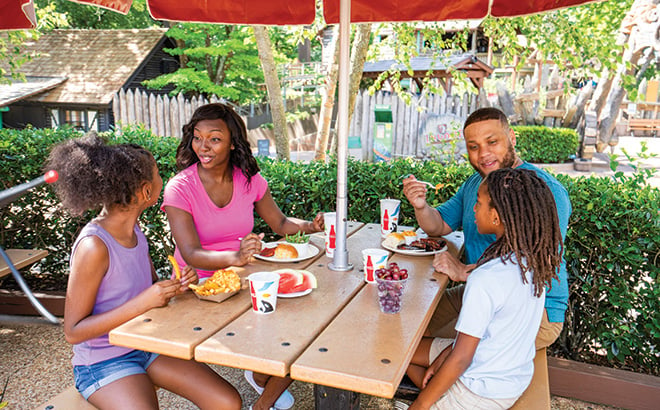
[638, 42]
[11, 58]
[359, 51]
[274, 91]
[328, 98]
[598, 40]
[216, 59]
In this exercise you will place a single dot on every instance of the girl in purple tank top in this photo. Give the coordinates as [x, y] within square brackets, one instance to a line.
[112, 280]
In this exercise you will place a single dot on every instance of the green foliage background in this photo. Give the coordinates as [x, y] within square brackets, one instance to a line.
[612, 247]
[543, 145]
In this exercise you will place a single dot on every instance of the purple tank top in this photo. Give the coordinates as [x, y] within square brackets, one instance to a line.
[129, 273]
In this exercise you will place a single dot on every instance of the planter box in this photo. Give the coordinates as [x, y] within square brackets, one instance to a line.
[14, 302]
[603, 385]
[582, 164]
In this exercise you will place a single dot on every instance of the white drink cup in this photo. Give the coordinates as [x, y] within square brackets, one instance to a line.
[330, 221]
[389, 215]
[373, 259]
[263, 291]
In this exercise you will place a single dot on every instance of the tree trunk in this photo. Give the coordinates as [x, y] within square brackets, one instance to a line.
[358, 57]
[325, 116]
[274, 90]
[638, 31]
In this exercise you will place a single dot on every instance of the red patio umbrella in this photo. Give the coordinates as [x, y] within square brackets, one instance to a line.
[290, 12]
[15, 14]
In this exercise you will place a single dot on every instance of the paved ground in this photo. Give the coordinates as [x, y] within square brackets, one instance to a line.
[35, 358]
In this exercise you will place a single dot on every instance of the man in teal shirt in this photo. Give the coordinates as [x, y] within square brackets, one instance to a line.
[490, 144]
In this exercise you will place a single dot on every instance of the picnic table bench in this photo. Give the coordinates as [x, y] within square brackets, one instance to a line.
[12, 260]
[21, 258]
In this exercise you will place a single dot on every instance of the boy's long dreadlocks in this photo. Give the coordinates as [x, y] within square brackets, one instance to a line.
[528, 212]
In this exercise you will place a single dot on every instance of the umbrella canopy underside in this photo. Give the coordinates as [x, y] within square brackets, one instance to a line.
[19, 14]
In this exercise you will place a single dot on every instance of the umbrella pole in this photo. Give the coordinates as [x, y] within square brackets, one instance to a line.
[340, 260]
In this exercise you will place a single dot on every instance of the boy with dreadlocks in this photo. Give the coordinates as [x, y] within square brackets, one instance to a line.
[490, 363]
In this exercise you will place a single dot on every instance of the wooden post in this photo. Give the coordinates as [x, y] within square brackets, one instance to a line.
[329, 398]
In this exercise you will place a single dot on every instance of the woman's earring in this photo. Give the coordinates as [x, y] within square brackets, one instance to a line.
[495, 221]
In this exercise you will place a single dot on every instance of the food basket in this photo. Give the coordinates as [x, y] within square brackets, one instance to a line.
[218, 297]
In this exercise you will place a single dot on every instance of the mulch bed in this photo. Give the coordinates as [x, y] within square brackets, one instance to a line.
[37, 282]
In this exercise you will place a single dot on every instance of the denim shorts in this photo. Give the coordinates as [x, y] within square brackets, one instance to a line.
[91, 378]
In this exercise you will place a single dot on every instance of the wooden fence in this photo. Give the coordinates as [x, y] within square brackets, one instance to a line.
[165, 116]
[407, 119]
[162, 114]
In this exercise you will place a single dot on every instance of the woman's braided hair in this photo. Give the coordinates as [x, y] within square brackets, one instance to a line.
[528, 212]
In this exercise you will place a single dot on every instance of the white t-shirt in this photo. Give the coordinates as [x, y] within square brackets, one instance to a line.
[504, 313]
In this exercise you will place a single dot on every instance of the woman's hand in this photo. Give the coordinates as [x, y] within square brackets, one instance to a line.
[318, 224]
[188, 276]
[250, 245]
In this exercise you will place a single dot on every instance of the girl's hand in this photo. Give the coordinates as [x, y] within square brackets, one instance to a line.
[250, 245]
[160, 293]
[188, 276]
[318, 224]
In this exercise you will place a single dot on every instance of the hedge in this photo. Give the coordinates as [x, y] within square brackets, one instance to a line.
[543, 145]
[612, 247]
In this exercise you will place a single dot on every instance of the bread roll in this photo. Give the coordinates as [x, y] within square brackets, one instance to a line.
[394, 239]
[285, 251]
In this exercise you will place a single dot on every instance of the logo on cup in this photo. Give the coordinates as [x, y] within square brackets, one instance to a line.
[330, 219]
[373, 259]
[389, 215]
[372, 266]
[263, 291]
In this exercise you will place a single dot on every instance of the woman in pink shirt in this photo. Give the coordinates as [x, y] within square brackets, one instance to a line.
[210, 205]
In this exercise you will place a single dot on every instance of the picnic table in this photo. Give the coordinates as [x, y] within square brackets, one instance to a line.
[335, 337]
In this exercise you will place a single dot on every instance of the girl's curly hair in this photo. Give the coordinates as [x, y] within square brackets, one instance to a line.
[93, 174]
[240, 157]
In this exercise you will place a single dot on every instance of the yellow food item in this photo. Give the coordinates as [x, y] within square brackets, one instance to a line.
[222, 281]
[438, 187]
[175, 265]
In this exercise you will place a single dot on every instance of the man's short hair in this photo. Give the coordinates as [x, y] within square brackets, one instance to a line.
[485, 114]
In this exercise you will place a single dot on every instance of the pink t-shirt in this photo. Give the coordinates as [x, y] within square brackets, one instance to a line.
[218, 228]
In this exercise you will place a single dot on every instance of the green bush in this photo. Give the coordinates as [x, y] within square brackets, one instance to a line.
[543, 145]
[613, 257]
[612, 247]
[37, 221]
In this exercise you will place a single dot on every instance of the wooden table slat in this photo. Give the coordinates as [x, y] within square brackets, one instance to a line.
[270, 343]
[176, 329]
[339, 357]
[335, 358]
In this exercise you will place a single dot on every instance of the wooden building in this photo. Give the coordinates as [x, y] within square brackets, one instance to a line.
[73, 75]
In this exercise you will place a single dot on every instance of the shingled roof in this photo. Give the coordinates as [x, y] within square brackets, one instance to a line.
[97, 63]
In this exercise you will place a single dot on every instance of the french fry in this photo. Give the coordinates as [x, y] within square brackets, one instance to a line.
[175, 265]
[222, 281]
